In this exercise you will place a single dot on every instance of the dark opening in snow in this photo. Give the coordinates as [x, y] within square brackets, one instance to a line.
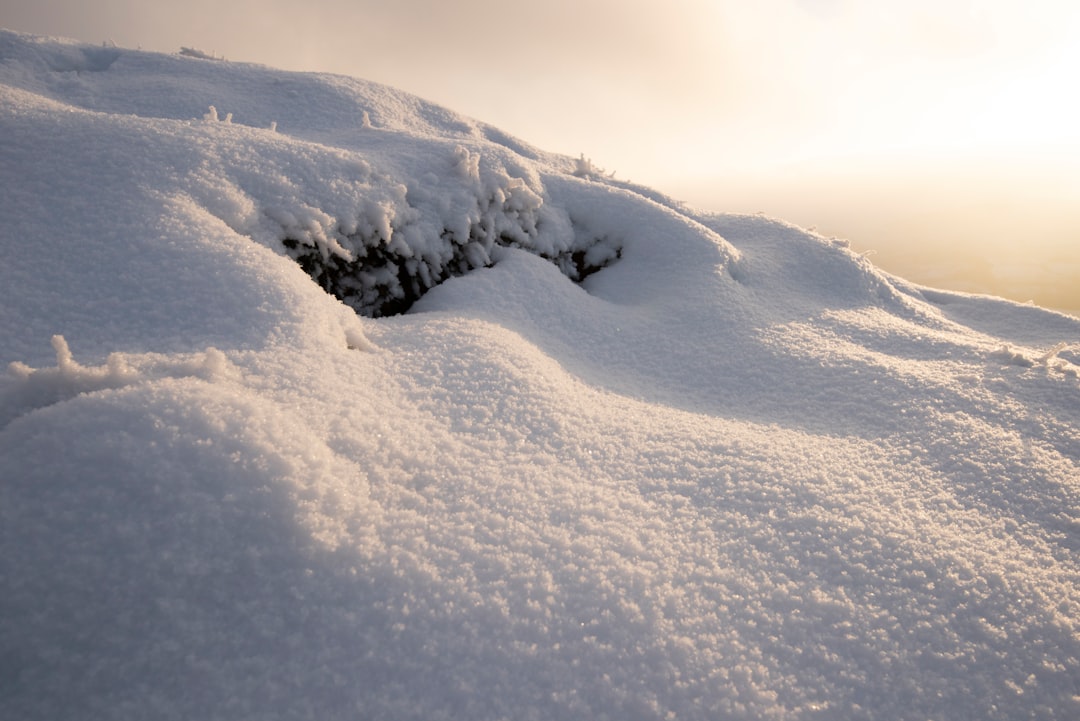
[381, 281]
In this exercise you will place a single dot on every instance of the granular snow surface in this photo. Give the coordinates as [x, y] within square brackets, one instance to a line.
[737, 472]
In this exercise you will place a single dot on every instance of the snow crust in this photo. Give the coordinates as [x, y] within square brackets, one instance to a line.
[739, 473]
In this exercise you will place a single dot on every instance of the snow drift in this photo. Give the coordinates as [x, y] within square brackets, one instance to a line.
[619, 459]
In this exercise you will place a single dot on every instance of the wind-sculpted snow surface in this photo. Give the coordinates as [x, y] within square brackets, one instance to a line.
[738, 473]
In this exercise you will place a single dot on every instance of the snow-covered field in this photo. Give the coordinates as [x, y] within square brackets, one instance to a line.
[627, 461]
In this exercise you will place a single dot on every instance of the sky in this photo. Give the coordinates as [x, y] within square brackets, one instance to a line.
[941, 135]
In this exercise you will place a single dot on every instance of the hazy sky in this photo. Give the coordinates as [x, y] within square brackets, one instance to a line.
[836, 113]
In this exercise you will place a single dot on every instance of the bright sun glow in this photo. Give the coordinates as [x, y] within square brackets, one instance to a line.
[834, 79]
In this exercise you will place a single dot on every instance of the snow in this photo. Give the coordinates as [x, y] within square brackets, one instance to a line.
[735, 472]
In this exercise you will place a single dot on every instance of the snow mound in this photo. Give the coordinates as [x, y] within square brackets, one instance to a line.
[618, 459]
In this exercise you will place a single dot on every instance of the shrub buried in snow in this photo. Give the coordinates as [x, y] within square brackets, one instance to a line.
[380, 271]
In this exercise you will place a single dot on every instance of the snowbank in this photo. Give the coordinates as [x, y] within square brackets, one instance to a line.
[618, 460]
